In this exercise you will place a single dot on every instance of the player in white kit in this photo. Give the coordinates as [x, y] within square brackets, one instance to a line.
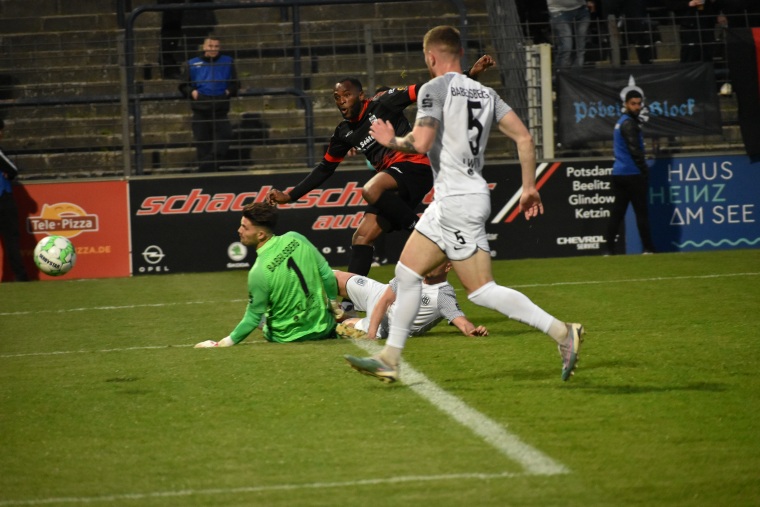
[438, 301]
[454, 118]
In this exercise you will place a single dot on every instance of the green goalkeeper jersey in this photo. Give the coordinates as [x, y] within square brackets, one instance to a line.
[291, 283]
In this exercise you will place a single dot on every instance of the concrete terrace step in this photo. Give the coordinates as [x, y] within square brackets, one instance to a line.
[350, 13]
[68, 23]
[46, 8]
[178, 159]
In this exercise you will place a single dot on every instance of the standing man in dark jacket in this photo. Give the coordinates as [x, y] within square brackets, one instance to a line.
[630, 173]
[9, 232]
[209, 81]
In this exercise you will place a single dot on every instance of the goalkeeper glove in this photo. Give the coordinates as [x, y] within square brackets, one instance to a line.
[224, 342]
[336, 310]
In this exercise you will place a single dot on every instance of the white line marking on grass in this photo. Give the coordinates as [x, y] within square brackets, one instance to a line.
[552, 284]
[123, 307]
[653, 279]
[122, 349]
[532, 460]
[62, 352]
[259, 489]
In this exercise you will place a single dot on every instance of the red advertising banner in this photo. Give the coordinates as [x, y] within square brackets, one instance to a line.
[93, 215]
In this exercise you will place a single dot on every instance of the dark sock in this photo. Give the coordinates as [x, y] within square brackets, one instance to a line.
[396, 211]
[361, 259]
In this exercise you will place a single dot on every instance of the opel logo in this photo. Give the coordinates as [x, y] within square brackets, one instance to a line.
[153, 254]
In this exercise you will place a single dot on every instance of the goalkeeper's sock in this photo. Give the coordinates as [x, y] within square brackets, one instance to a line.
[519, 307]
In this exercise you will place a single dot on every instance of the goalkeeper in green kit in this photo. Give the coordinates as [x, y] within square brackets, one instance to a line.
[291, 288]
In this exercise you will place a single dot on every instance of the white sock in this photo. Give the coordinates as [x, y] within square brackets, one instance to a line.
[408, 296]
[519, 307]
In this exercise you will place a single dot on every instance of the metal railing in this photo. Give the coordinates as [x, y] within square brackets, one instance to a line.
[72, 109]
[133, 98]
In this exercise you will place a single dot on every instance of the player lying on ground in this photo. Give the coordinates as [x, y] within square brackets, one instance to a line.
[291, 288]
[438, 302]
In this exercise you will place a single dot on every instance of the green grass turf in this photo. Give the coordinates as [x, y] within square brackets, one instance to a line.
[104, 402]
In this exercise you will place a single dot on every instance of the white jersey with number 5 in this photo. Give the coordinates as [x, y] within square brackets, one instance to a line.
[466, 111]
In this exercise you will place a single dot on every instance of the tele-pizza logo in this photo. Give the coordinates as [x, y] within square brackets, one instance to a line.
[62, 219]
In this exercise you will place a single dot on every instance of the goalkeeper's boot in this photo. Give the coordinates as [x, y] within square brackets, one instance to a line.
[350, 332]
[373, 367]
[570, 349]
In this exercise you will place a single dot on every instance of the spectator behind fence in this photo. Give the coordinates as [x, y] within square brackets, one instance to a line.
[736, 13]
[209, 81]
[696, 20]
[630, 182]
[631, 14]
[570, 20]
[182, 29]
[9, 217]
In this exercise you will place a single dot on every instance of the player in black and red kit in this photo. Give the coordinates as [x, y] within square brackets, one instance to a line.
[401, 181]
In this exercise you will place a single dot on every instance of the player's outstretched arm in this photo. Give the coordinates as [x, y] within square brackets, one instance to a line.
[378, 312]
[321, 172]
[278, 197]
[484, 63]
[468, 328]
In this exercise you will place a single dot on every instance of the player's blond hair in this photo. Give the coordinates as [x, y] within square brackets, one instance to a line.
[445, 38]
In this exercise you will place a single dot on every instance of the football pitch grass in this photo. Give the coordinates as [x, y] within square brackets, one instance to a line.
[104, 402]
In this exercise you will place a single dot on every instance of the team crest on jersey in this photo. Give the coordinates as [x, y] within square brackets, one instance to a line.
[425, 300]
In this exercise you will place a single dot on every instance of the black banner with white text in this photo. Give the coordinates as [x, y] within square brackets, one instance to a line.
[680, 100]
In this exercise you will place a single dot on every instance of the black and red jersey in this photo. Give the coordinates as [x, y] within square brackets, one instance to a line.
[388, 106]
[354, 133]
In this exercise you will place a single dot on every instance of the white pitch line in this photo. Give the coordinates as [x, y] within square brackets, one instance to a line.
[532, 460]
[121, 307]
[129, 307]
[63, 352]
[259, 489]
[552, 284]
[653, 279]
[248, 342]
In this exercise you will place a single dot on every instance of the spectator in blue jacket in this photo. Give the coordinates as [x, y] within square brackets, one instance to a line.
[209, 81]
[630, 183]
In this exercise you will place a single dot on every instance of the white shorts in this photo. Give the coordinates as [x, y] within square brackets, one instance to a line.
[364, 293]
[457, 224]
